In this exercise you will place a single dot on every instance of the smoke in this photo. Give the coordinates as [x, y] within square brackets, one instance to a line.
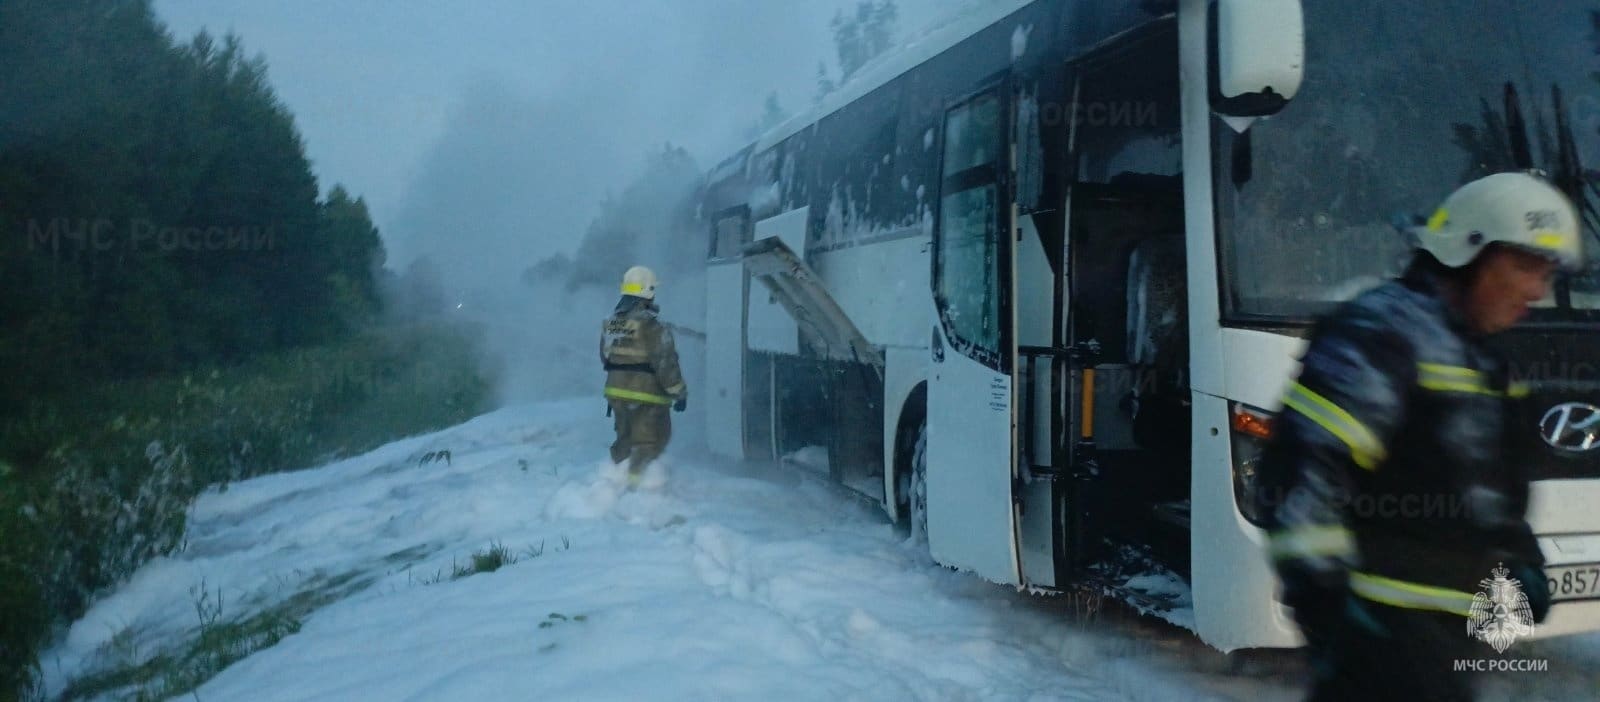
[512, 179]
[517, 225]
[476, 182]
[488, 137]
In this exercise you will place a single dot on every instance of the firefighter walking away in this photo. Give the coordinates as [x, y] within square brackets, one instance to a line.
[642, 375]
[1401, 403]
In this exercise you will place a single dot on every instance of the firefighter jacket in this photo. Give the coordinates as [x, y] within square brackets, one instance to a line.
[1391, 473]
[640, 359]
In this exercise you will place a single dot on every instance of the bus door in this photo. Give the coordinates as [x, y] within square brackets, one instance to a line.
[726, 283]
[1127, 290]
[971, 471]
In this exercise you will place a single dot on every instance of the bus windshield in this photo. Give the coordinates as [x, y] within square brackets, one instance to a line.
[1402, 103]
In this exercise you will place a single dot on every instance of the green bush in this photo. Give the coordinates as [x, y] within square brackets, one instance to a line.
[97, 483]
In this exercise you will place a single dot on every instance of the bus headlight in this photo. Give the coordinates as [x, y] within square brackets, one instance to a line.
[1249, 430]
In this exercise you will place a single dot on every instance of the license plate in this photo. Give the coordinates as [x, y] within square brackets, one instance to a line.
[1573, 582]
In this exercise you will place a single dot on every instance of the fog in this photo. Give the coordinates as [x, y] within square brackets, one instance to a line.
[524, 112]
[484, 135]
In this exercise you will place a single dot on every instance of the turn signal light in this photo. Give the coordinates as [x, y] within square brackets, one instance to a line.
[1251, 422]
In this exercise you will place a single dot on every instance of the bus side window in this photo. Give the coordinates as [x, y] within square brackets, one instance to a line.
[968, 255]
[729, 233]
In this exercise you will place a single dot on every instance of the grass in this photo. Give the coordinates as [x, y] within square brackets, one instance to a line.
[488, 560]
[216, 642]
[98, 482]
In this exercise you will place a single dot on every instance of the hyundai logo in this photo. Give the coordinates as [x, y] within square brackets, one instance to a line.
[1571, 426]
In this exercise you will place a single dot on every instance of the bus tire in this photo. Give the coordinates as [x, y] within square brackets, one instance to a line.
[917, 487]
[910, 476]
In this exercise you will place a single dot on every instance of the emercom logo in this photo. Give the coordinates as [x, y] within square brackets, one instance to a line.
[1500, 612]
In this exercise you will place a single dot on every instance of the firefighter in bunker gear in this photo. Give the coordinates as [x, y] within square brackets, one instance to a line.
[642, 374]
[1389, 488]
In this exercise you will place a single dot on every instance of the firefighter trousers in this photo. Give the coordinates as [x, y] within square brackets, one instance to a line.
[643, 430]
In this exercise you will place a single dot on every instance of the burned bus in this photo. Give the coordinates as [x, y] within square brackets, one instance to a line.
[1037, 281]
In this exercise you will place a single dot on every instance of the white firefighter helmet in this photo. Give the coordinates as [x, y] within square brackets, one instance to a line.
[639, 282]
[1515, 209]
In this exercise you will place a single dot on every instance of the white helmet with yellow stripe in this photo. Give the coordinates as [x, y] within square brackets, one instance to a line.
[1515, 209]
[639, 282]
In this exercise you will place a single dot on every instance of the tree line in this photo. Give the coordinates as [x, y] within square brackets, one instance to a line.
[157, 210]
[175, 278]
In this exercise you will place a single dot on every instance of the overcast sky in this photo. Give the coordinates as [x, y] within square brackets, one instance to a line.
[520, 115]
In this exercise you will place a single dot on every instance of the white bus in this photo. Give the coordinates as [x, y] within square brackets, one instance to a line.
[1038, 281]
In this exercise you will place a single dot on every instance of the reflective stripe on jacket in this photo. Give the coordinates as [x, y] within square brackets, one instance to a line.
[636, 396]
[639, 355]
[1389, 470]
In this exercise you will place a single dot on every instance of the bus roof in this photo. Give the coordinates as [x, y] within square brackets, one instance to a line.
[970, 19]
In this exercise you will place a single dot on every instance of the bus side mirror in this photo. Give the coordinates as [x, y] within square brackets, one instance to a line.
[1258, 55]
